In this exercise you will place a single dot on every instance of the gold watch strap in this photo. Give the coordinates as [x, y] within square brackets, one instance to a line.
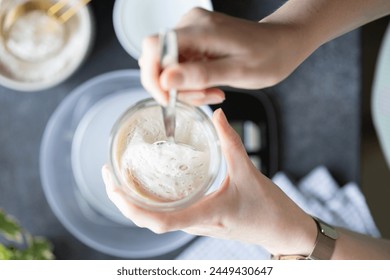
[288, 257]
[323, 247]
[325, 241]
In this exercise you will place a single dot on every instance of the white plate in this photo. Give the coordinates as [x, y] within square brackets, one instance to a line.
[105, 232]
[90, 149]
[136, 19]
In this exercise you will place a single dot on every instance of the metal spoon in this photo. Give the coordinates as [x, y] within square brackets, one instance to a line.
[168, 56]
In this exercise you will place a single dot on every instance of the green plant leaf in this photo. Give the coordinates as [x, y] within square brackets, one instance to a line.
[39, 249]
[28, 248]
[9, 228]
[5, 253]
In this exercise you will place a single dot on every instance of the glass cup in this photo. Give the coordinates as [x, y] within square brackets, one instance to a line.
[157, 174]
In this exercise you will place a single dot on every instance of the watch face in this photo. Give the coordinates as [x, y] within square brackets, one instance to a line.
[328, 230]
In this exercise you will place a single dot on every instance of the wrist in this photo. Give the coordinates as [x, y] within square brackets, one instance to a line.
[324, 245]
[298, 237]
[299, 30]
[290, 46]
[305, 236]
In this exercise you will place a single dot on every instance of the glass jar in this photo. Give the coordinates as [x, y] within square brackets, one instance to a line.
[157, 174]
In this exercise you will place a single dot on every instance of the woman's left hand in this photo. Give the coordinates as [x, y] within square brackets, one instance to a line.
[247, 206]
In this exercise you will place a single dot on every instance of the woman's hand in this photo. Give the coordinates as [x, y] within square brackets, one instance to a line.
[247, 207]
[219, 50]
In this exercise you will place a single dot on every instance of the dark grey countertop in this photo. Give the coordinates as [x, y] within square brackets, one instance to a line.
[318, 108]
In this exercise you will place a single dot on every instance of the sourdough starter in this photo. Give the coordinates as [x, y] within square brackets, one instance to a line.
[163, 171]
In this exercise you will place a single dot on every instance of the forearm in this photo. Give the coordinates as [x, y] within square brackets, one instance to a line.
[320, 21]
[312, 23]
[351, 245]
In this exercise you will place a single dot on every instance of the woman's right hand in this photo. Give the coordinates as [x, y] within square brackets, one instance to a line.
[220, 50]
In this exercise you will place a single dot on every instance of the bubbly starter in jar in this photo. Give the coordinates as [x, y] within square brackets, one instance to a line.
[163, 171]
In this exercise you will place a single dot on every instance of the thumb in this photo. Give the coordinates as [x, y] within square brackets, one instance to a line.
[232, 148]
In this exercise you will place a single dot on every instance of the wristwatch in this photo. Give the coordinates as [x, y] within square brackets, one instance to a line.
[323, 247]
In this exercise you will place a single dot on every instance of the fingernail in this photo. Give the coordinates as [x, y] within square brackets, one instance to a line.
[140, 61]
[106, 175]
[191, 96]
[214, 99]
[163, 100]
[220, 114]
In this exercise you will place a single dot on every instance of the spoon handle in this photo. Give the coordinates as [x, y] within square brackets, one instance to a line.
[168, 56]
